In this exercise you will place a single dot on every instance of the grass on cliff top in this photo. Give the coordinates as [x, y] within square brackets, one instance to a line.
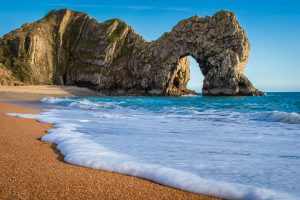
[117, 33]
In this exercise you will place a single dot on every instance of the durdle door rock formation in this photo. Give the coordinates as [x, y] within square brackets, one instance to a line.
[70, 48]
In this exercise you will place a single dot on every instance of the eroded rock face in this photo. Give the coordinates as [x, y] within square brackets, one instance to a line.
[68, 47]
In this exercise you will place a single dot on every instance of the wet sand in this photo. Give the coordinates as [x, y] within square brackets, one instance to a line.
[32, 169]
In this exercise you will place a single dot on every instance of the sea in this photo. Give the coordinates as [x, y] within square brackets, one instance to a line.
[228, 147]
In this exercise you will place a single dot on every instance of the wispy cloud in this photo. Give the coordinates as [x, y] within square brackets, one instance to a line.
[176, 9]
[130, 7]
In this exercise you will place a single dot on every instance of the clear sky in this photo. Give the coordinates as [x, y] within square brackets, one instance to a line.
[272, 26]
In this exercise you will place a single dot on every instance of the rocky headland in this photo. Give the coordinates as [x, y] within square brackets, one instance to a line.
[70, 48]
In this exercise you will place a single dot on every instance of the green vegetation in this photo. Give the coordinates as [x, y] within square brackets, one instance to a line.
[7, 63]
[19, 70]
[124, 52]
[117, 33]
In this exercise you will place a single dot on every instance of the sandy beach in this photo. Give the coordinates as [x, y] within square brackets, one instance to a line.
[32, 169]
[37, 92]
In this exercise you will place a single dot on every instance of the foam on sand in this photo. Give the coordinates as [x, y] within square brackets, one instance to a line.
[79, 149]
[229, 147]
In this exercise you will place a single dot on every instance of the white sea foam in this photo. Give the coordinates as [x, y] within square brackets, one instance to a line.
[217, 146]
[53, 100]
[80, 149]
[191, 95]
[82, 104]
[29, 116]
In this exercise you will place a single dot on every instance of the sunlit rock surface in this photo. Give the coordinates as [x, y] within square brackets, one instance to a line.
[70, 48]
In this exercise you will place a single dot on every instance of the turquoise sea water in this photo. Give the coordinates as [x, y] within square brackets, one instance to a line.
[231, 147]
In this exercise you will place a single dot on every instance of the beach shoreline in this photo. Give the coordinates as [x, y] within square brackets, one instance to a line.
[32, 169]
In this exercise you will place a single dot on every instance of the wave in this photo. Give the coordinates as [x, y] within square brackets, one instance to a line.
[278, 116]
[177, 112]
[82, 103]
[191, 95]
[53, 100]
[79, 149]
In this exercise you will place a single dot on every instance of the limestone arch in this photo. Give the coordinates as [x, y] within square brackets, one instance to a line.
[221, 48]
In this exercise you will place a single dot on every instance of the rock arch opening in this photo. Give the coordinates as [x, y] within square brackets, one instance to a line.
[186, 76]
[196, 77]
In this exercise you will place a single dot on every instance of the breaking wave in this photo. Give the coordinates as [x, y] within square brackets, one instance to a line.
[234, 148]
[277, 116]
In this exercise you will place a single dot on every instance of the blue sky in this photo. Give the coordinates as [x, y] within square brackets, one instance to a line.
[272, 26]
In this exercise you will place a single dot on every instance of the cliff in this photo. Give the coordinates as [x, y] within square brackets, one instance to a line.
[70, 48]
